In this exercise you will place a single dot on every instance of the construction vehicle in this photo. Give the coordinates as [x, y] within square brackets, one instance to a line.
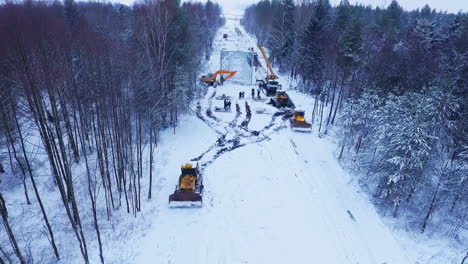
[270, 85]
[223, 97]
[298, 122]
[271, 74]
[281, 99]
[211, 78]
[188, 192]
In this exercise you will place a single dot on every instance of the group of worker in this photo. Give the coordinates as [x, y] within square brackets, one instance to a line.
[253, 93]
[242, 94]
[221, 80]
[227, 105]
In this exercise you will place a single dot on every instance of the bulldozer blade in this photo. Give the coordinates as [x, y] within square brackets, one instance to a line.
[181, 199]
[301, 129]
[185, 204]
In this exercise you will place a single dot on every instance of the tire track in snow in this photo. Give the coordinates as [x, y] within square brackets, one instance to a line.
[325, 214]
[233, 123]
[334, 218]
[239, 133]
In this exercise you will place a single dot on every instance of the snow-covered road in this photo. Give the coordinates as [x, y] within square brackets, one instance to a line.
[276, 197]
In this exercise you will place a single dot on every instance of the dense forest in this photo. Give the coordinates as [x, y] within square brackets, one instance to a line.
[86, 87]
[393, 85]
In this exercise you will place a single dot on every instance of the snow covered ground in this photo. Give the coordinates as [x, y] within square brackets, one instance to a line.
[278, 197]
[271, 195]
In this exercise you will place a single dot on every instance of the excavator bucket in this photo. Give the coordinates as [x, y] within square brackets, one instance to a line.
[185, 199]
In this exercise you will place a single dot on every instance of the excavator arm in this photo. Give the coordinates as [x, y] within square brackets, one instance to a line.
[231, 74]
[272, 75]
[211, 78]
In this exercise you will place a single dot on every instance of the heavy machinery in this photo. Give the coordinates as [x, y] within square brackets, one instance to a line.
[271, 74]
[281, 99]
[298, 122]
[189, 190]
[270, 85]
[211, 78]
[223, 97]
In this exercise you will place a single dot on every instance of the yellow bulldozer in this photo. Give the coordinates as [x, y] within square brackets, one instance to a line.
[211, 78]
[298, 122]
[189, 190]
[281, 99]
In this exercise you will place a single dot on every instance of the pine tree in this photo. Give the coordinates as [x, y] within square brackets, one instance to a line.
[282, 36]
[71, 11]
[428, 31]
[391, 19]
[351, 45]
[311, 44]
[343, 17]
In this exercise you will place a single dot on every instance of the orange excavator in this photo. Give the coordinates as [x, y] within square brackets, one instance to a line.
[211, 78]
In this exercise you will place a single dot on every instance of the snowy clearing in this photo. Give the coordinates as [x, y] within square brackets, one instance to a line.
[279, 197]
[271, 195]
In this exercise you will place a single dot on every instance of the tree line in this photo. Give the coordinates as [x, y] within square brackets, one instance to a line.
[394, 84]
[91, 85]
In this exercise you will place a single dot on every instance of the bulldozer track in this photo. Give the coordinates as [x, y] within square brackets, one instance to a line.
[234, 134]
[248, 115]
[233, 123]
[210, 124]
[239, 133]
[239, 137]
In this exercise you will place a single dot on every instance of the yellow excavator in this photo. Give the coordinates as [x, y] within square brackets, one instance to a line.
[211, 78]
[271, 74]
[270, 84]
[188, 192]
[298, 122]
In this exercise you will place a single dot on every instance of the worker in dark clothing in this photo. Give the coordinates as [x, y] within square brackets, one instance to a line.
[258, 93]
[253, 93]
[240, 95]
[225, 104]
[222, 80]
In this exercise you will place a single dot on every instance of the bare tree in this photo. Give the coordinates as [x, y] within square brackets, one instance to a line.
[11, 236]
